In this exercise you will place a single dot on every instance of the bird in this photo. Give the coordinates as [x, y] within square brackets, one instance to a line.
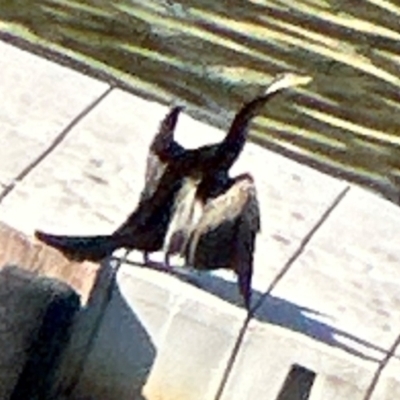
[145, 227]
[173, 174]
[217, 217]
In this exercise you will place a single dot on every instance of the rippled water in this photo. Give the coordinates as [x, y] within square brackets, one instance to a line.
[212, 55]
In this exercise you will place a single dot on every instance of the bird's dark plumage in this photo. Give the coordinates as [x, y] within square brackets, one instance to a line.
[224, 236]
[177, 180]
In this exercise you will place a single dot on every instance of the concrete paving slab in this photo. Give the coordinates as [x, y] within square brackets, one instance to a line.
[93, 179]
[345, 284]
[276, 364]
[388, 382]
[40, 99]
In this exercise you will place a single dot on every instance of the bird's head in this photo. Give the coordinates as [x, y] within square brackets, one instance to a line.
[286, 80]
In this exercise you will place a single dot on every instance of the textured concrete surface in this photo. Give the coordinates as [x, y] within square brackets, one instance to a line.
[347, 277]
[267, 355]
[92, 180]
[40, 100]
[388, 383]
[196, 347]
[325, 266]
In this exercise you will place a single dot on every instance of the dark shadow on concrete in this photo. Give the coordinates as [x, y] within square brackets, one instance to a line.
[278, 311]
[119, 353]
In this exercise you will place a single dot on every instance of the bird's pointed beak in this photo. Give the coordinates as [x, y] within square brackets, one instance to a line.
[287, 80]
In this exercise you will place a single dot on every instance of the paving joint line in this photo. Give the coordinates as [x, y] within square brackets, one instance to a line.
[303, 244]
[382, 365]
[59, 138]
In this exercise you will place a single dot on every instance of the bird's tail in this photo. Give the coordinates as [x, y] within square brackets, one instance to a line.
[80, 248]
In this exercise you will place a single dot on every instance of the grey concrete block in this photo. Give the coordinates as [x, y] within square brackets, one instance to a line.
[91, 281]
[198, 342]
[40, 99]
[276, 364]
[17, 248]
[147, 314]
[36, 314]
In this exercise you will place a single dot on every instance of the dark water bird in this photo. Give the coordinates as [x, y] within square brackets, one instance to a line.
[146, 226]
[223, 233]
[177, 179]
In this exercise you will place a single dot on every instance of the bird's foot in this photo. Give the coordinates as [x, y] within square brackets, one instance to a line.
[159, 266]
[164, 266]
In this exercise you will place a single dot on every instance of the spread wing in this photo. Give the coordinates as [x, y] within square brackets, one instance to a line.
[148, 222]
[225, 235]
[162, 150]
[146, 226]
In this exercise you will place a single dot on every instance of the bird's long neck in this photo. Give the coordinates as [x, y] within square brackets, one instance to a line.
[231, 147]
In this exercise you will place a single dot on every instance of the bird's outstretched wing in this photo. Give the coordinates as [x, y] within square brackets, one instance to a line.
[163, 150]
[145, 227]
[224, 237]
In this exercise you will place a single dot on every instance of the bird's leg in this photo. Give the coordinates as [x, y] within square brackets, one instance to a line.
[124, 258]
[146, 258]
[161, 266]
[167, 262]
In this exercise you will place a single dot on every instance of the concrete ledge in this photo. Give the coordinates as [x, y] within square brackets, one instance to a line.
[161, 338]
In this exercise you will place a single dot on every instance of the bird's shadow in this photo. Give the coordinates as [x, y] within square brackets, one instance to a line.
[278, 311]
[120, 350]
